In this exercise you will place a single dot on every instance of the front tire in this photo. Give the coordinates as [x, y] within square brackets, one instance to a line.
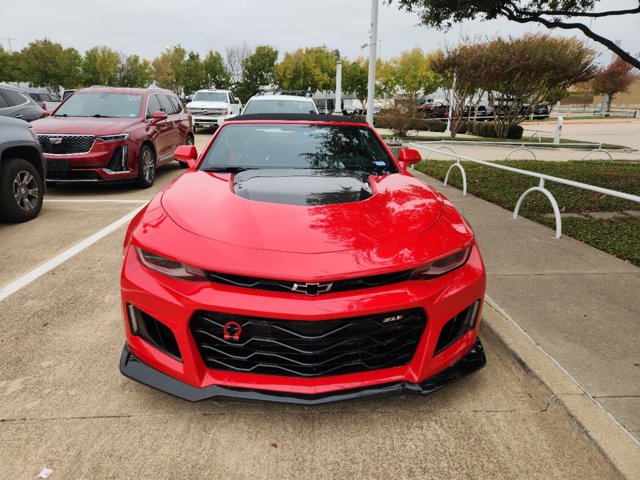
[21, 191]
[146, 167]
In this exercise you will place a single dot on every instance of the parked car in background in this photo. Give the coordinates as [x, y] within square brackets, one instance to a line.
[480, 113]
[67, 93]
[434, 110]
[113, 134]
[299, 261]
[279, 104]
[21, 172]
[17, 103]
[44, 97]
[210, 108]
[538, 112]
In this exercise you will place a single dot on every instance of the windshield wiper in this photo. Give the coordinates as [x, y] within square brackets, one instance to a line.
[99, 115]
[61, 115]
[228, 169]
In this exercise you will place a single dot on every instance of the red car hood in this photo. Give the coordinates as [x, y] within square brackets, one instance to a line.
[84, 125]
[399, 208]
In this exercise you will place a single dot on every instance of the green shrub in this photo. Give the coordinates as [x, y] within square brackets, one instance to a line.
[515, 132]
[420, 124]
[478, 129]
[381, 121]
[437, 125]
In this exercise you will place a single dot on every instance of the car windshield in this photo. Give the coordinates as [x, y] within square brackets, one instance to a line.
[305, 146]
[118, 105]
[279, 106]
[210, 97]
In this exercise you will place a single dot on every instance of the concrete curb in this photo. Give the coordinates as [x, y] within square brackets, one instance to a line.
[615, 442]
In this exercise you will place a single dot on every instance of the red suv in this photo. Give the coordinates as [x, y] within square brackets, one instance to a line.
[113, 134]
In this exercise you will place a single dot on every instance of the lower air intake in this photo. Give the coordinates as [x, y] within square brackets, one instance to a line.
[153, 331]
[457, 326]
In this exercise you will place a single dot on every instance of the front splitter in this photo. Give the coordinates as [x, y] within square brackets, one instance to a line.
[134, 368]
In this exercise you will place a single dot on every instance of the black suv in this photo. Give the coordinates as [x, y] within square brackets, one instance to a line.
[18, 104]
[21, 172]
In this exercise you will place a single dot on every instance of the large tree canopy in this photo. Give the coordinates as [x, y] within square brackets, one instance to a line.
[550, 13]
[257, 71]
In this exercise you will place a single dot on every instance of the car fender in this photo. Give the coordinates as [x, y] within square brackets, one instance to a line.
[30, 144]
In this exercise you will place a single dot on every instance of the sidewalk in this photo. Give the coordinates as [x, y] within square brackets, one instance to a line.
[580, 305]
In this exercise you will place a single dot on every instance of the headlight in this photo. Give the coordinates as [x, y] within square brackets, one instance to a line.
[171, 268]
[441, 267]
[113, 138]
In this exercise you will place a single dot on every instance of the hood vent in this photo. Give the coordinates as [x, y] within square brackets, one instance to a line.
[302, 187]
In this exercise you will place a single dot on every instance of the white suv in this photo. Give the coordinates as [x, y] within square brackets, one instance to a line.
[279, 104]
[210, 108]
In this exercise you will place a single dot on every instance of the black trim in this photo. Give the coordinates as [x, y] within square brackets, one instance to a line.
[132, 367]
[296, 117]
[286, 286]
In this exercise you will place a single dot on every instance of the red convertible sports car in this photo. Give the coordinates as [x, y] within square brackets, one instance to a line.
[298, 261]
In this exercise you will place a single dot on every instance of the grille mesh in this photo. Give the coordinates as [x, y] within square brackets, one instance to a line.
[66, 144]
[309, 349]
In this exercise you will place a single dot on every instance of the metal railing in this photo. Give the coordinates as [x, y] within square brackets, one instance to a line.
[520, 146]
[540, 188]
[597, 114]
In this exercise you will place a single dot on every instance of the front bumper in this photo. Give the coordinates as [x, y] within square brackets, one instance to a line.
[205, 121]
[134, 368]
[106, 162]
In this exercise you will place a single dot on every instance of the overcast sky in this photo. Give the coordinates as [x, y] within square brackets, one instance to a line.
[146, 27]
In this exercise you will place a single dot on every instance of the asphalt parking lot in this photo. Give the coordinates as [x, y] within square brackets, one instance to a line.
[65, 406]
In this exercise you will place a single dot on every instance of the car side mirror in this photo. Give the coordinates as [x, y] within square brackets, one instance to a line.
[408, 157]
[187, 154]
[158, 116]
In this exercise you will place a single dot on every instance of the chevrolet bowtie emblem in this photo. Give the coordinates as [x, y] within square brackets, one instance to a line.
[311, 289]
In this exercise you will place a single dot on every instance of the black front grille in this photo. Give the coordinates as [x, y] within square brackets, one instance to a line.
[53, 174]
[66, 144]
[309, 288]
[308, 348]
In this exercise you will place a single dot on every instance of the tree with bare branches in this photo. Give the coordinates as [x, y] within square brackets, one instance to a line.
[521, 74]
[235, 57]
[561, 14]
[461, 70]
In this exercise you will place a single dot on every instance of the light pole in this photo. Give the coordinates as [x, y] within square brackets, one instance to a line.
[373, 43]
[337, 108]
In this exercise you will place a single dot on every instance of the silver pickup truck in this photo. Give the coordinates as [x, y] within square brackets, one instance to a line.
[210, 108]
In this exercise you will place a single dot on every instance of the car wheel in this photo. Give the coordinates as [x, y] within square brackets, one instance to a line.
[146, 167]
[188, 141]
[21, 191]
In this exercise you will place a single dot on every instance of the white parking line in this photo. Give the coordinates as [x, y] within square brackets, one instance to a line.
[91, 200]
[26, 279]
